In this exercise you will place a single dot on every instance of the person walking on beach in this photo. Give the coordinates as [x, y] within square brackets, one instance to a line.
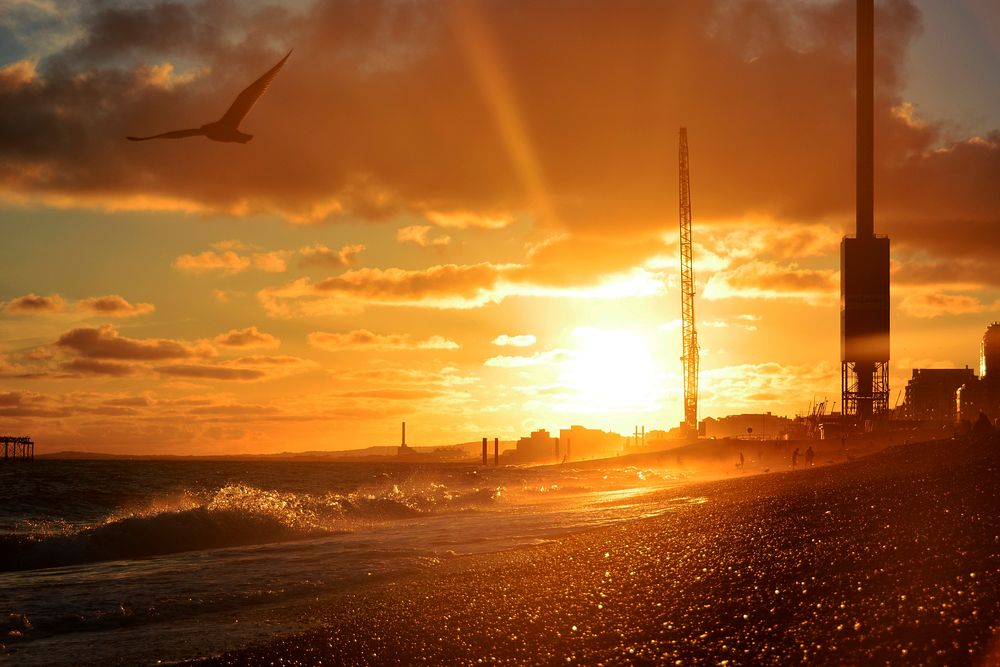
[795, 458]
[741, 461]
[809, 456]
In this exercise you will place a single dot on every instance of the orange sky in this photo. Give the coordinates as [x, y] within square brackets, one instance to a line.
[462, 215]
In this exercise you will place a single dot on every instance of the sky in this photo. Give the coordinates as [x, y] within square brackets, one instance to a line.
[464, 214]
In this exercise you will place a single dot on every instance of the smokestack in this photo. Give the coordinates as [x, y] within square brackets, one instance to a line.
[866, 119]
[404, 435]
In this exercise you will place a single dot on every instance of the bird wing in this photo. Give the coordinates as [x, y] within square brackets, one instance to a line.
[176, 134]
[244, 101]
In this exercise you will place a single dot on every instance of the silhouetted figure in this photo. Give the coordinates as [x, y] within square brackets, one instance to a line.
[227, 128]
[795, 458]
[809, 456]
[741, 460]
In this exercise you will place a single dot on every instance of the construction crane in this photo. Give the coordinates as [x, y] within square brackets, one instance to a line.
[688, 330]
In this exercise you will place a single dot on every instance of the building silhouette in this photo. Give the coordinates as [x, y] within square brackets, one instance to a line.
[735, 426]
[539, 447]
[983, 394]
[579, 443]
[931, 393]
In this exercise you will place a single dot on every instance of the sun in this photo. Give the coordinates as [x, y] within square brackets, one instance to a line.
[612, 371]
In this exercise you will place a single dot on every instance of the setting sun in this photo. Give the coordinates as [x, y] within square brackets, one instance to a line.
[612, 370]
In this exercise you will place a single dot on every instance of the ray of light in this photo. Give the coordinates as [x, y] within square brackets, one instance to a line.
[476, 41]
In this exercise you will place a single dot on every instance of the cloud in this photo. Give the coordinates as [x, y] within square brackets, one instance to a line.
[210, 372]
[393, 394]
[746, 387]
[226, 261]
[521, 340]
[269, 360]
[164, 76]
[32, 304]
[757, 238]
[739, 322]
[464, 131]
[927, 305]
[106, 343]
[96, 367]
[114, 305]
[469, 219]
[420, 235]
[320, 255]
[537, 359]
[449, 286]
[443, 286]
[271, 262]
[248, 337]
[362, 339]
[770, 280]
[19, 74]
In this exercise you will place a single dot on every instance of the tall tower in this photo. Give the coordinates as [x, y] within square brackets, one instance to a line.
[864, 260]
[689, 333]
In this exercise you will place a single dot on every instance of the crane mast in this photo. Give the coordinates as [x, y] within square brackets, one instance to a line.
[689, 332]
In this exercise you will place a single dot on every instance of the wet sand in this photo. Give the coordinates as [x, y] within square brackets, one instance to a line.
[890, 559]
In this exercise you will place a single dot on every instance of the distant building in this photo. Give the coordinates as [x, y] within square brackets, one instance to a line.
[983, 395]
[989, 353]
[579, 443]
[762, 426]
[539, 447]
[931, 393]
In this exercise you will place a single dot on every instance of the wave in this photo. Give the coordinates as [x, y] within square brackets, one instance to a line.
[235, 515]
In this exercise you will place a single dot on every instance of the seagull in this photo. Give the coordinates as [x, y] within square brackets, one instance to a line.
[227, 128]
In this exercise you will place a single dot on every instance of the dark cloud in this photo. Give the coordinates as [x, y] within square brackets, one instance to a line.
[32, 304]
[11, 398]
[114, 305]
[95, 367]
[106, 343]
[208, 372]
[131, 401]
[248, 337]
[247, 410]
[566, 110]
[448, 280]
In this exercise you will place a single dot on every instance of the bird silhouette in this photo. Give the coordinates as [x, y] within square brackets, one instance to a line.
[227, 128]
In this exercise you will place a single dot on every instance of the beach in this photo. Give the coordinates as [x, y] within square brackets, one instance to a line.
[893, 558]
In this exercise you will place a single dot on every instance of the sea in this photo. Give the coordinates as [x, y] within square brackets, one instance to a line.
[160, 561]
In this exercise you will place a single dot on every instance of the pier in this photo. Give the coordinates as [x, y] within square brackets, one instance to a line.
[17, 448]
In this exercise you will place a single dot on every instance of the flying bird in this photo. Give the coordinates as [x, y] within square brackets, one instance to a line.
[227, 128]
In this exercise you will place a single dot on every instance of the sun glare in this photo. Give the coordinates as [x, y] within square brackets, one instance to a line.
[612, 371]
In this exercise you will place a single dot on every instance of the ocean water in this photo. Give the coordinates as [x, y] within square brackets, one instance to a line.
[146, 562]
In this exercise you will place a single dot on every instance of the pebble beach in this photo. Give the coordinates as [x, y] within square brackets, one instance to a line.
[890, 559]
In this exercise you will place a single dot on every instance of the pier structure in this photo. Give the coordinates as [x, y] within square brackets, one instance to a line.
[17, 448]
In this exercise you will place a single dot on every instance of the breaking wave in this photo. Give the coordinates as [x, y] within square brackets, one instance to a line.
[235, 515]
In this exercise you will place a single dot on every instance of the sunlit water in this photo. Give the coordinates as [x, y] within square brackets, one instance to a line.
[139, 561]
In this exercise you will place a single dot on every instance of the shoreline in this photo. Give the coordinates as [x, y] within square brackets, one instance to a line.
[887, 558]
